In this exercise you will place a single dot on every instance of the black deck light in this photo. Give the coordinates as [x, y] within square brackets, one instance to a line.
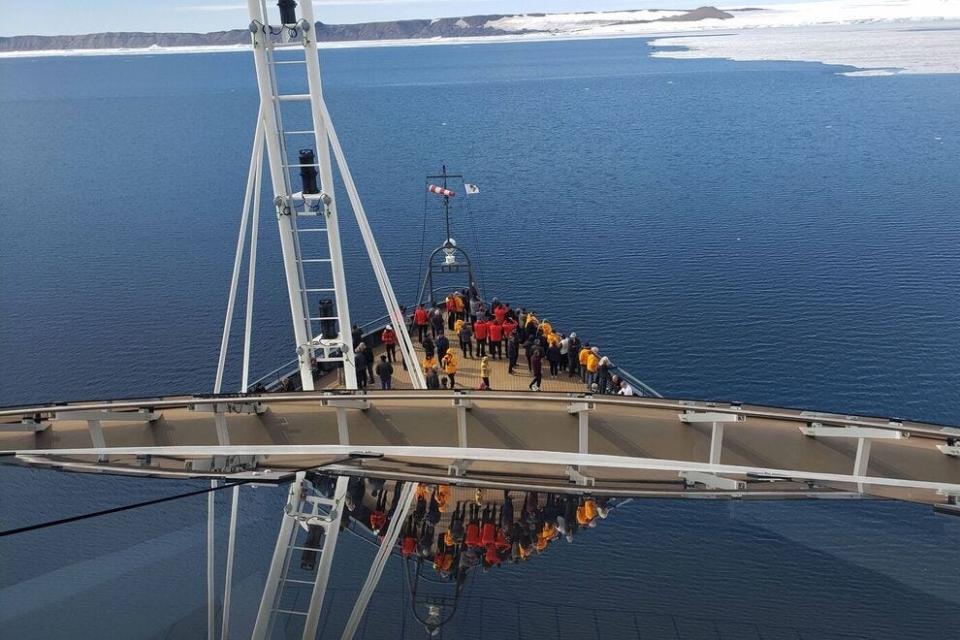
[308, 171]
[288, 11]
[328, 328]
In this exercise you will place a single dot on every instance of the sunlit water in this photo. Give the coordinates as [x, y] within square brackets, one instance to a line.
[763, 232]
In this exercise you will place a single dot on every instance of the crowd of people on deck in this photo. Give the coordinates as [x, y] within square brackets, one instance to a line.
[499, 331]
[486, 332]
[478, 533]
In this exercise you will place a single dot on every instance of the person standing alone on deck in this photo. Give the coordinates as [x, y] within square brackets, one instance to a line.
[436, 323]
[513, 352]
[450, 367]
[422, 319]
[451, 304]
[360, 365]
[485, 373]
[466, 339]
[536, 365]
[385, 373]
[389, 339]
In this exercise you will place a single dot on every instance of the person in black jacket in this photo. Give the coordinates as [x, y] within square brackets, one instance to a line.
[360, 365]
[513, 352]
[385, 373]
[553, 357]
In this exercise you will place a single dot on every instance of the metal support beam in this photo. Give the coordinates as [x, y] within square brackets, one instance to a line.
[248, 196]
[223, 436]
[462, 405]
[716, 443]
[700, 417]
[106, 415]
[211, 575]
[817, 430]
[407, 495]
[582, 411]
[231, 548]
[713, 481]
[343, 426]
[276, 564]
[331, 531]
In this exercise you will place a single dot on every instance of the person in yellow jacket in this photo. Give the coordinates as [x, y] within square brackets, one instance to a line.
[443, 497]
[485, 372]
[547, 327]
[582, 357]
[592, 364]
[531, 321]
[553, 339]
[457, 326]
[428, 364]
[450, 366]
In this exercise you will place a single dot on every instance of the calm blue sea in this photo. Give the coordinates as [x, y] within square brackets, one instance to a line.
[765, 232]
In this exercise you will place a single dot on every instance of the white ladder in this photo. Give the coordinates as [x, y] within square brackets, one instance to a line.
[317, 211]
[306, 543]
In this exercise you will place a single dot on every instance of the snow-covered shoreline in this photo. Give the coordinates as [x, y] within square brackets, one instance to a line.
[878, 37]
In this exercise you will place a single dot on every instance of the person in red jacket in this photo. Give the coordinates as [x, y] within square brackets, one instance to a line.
[473, 528]
[488, 530]
[495, 339]
[500, 312]
[480, 333]
[422, 319]
[389, 339]
[509, 327]
[409, 545]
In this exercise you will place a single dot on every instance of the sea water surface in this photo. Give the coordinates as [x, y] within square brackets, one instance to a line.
[763, 232]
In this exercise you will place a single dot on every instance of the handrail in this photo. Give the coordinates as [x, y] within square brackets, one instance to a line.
[524, 397]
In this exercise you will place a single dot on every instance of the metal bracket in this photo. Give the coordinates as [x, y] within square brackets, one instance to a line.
[346, 403]
[458, 468]
[248, 407]
[223, 464]
[950, 450]
[27, 424]
[574, 475]
[140, 415]
[712, 481]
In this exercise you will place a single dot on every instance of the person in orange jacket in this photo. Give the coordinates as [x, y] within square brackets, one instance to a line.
[451, 310]
[389, 339]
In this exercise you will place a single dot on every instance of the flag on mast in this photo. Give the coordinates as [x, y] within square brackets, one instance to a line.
[440, 191]
[470, 189]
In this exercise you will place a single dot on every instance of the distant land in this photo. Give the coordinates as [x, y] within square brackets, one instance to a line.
[425, 29]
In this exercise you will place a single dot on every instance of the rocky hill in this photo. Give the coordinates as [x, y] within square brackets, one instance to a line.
[468, 26]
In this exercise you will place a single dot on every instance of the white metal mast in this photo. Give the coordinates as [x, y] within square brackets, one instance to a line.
[291, 204]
